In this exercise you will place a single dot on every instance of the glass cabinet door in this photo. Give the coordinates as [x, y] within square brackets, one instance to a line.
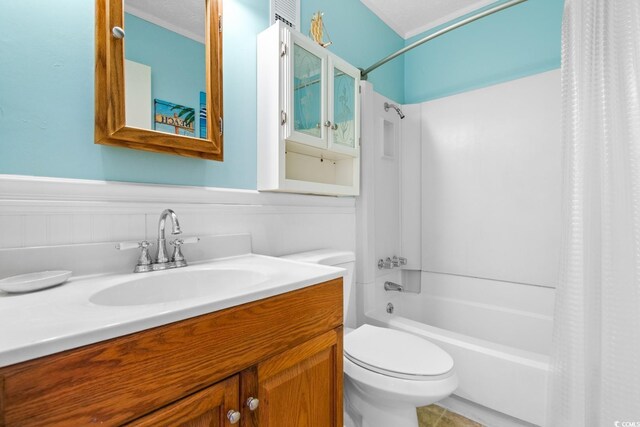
[308, 93]
[343, 107]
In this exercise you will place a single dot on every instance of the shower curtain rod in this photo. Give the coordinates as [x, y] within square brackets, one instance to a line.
[365, 72]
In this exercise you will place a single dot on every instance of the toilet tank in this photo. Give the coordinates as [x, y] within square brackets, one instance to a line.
[335, 258]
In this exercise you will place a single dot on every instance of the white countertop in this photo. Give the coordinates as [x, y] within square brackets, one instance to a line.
[61, 318]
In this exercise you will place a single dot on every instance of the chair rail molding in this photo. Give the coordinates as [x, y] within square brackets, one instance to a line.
[20, 187]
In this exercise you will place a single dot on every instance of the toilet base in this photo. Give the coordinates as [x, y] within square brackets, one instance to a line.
[351, 416]
[361, 412]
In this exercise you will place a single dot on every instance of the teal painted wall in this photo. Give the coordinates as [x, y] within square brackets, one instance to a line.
[511, 44]
[46, 91]
[361, 38]
[177, 64]
[46, 81]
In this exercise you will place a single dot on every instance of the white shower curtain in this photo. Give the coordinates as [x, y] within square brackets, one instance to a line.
[595, 363]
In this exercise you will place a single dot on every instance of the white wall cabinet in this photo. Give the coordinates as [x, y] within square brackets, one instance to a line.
[308, 116]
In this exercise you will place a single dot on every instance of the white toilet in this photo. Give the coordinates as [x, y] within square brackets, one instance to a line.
[387, 373]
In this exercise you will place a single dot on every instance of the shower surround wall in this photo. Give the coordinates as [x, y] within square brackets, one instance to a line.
[491, 182]
[472, 199]
[378, 206]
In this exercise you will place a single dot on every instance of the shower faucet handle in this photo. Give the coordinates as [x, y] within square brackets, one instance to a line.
[386, 264]
[398, 261]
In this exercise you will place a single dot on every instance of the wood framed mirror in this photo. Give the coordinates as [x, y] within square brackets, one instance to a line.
[169, 126]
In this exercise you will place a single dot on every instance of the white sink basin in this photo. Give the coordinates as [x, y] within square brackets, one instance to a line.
[176, 285]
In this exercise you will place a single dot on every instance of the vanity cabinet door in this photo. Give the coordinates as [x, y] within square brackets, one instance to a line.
[206, 408]
[302, 387]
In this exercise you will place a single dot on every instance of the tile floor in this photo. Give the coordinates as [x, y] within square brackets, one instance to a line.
[437, 416]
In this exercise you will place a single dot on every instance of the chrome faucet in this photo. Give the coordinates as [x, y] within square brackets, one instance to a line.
[390, 286]
[385, 263]
[398, 261]
[390, 263]
[162, 260]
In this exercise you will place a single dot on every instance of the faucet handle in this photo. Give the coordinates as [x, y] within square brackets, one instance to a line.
[144, 261]
[188, 240]
[398, 261]
[123, 246]
[179, 242]
[177, 256]
[386, 264]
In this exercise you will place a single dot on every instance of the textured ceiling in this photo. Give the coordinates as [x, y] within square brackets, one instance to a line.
[411, 17]
[184, 17]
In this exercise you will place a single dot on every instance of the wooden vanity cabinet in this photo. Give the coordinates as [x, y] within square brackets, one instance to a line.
[299, 387]
[208, 407]
[285, 350]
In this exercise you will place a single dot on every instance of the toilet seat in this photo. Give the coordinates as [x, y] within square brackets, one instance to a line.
[396, 354]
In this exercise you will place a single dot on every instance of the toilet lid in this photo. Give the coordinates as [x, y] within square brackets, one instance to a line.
[396, 353]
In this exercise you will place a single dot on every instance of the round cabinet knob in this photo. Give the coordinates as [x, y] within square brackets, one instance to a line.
[117, 32]
[252, 403]
[233, 416]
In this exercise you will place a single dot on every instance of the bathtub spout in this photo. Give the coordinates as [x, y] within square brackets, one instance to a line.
[390, 286]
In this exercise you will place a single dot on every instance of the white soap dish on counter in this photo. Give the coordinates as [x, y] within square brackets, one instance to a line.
[34, 281]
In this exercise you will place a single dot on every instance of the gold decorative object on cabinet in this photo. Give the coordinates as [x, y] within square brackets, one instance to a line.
[317, 30]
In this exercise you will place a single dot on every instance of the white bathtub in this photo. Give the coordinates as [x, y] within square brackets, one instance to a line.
[498, 334]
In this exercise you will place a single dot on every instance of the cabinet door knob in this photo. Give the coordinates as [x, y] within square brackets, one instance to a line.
[233, 416]
[117, 32]
[327, 123]
[252, 403]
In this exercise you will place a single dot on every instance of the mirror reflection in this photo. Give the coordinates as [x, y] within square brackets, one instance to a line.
[165, 67]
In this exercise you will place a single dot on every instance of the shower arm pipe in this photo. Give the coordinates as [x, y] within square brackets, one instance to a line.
[365, 72]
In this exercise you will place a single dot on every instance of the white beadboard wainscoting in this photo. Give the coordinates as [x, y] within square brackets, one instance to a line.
[53, 213]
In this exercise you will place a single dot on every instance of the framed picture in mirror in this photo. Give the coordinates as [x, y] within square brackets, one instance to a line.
[174, 118]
